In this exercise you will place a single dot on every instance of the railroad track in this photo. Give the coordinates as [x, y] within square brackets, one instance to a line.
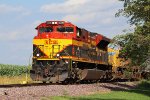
[45, 84]
[26, 85]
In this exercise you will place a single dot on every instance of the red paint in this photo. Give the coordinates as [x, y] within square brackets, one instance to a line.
[55, 34]
[98, 38]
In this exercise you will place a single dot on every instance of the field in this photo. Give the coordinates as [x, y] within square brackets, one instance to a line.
[14, 74]
[21, 79]
[141, 92]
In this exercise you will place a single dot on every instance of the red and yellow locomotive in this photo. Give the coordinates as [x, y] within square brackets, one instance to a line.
[64, 52]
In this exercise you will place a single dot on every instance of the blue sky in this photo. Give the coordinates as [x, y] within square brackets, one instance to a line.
[18, 19]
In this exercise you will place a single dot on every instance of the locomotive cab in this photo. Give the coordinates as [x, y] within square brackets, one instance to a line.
[56, 29]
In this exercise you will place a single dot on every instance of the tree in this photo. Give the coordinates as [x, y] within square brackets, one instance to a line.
[137, 10]
[135, 45]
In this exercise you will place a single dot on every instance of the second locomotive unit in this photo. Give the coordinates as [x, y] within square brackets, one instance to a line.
[64, 52]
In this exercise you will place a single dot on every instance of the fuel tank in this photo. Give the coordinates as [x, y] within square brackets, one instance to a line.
[91, 74]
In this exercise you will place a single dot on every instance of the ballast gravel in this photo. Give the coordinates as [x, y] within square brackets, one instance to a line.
[37, 92]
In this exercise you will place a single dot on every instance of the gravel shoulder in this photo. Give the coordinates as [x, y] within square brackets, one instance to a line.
[37, 92]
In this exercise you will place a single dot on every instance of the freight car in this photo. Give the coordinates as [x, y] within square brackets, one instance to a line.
[64, 52]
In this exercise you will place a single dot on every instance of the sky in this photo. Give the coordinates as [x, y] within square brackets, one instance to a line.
[18, 19]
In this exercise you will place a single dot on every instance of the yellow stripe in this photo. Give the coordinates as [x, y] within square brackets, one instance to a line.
[46, 45]
[47, 59]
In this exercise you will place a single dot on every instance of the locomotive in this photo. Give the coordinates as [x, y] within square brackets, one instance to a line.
[64, 52]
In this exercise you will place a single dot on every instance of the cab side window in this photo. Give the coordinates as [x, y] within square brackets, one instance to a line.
[79, 33]
[65, 29]
[61, 29]
[45, 29]
[69, 29]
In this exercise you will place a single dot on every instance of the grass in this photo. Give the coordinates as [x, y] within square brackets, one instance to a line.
[141, 92]
[4, 80]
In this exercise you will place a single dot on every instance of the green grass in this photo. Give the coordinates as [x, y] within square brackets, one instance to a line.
[141, 92]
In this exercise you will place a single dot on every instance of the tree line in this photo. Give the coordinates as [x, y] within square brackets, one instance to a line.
[135, 45]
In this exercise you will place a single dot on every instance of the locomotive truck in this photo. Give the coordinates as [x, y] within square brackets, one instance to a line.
[64, 52]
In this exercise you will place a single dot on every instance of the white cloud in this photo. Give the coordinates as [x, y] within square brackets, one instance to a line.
[94, 15]
[23, 33]
[77, 11]
[79, 18]
[77, 6]
[107, 21]
[17, 42]
[69, 6]
[10, 36]
[17, 35]
[6, 9]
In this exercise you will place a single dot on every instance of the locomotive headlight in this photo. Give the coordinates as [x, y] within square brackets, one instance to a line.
[60, 22]
[37, 54]
[53, 22]
[66, 62]
[58, 55]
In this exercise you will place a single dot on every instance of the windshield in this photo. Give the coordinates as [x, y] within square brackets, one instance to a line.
[45, 29]
[65, 29]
